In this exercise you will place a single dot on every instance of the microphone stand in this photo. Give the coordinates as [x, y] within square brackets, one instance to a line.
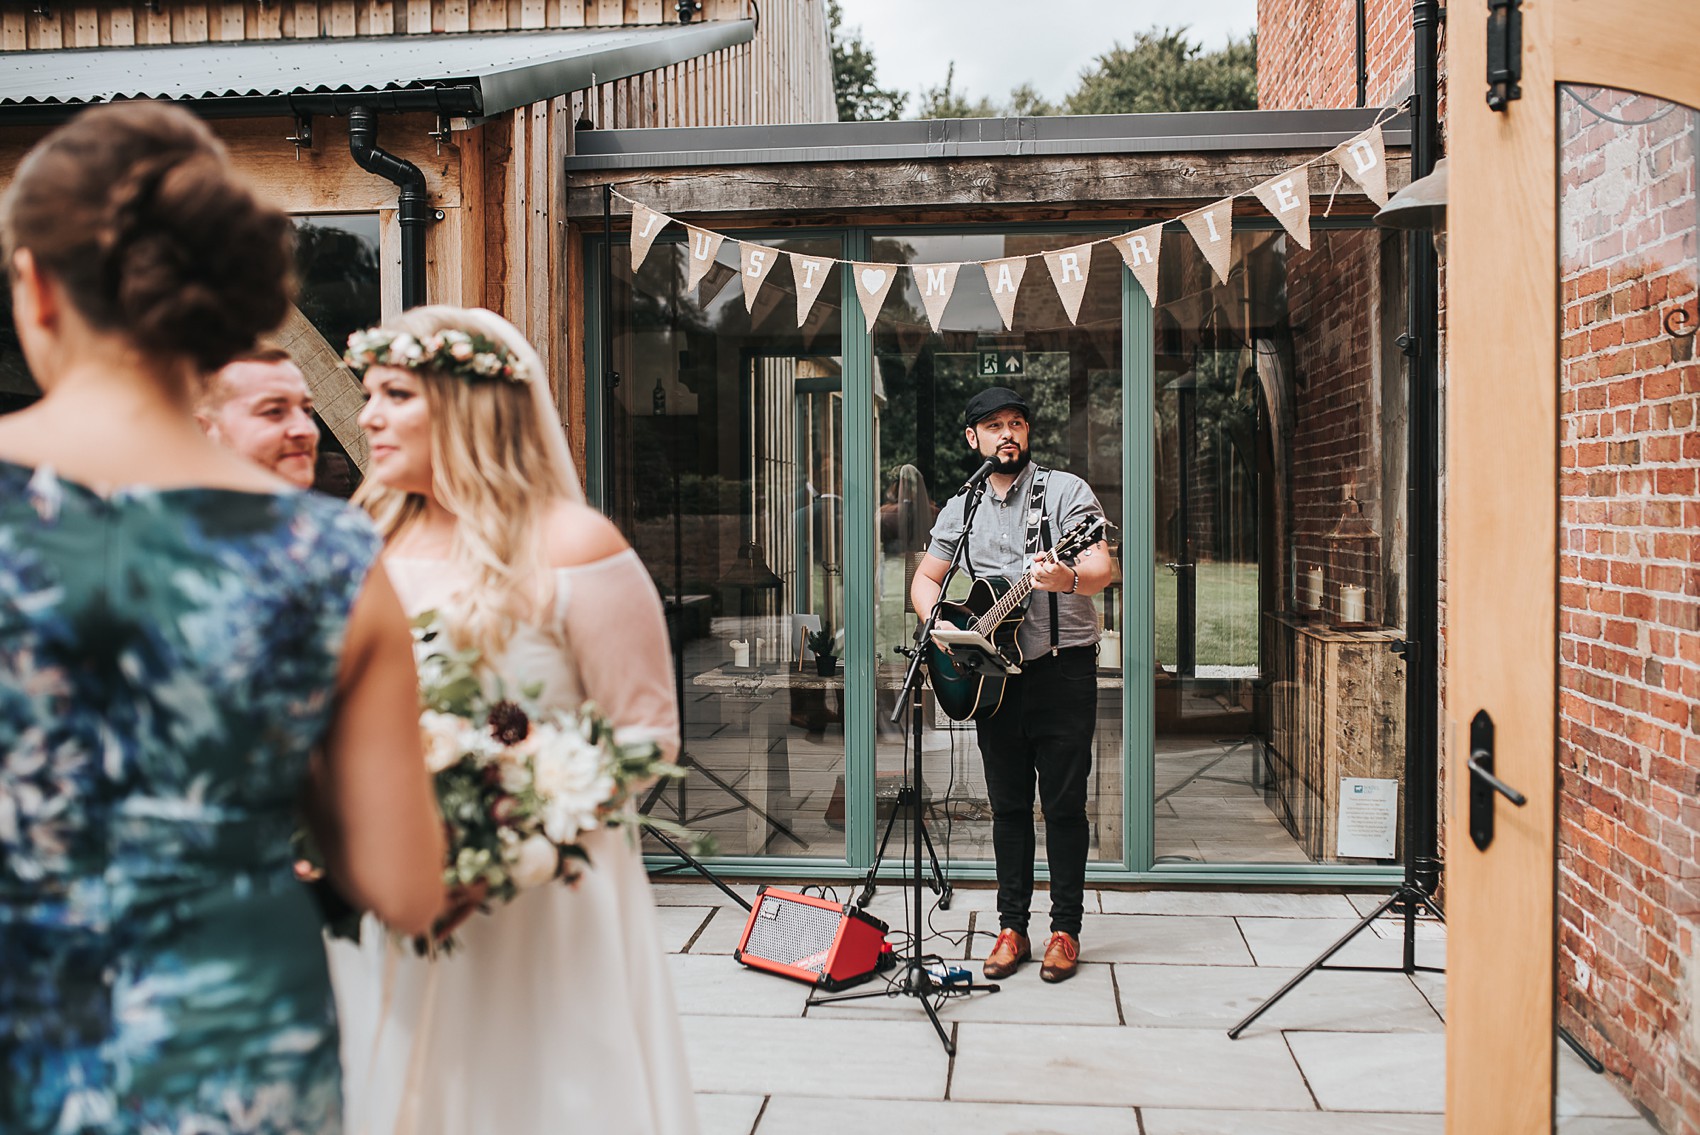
[917, 981]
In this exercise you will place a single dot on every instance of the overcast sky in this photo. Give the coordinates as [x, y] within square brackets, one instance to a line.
[999, 44]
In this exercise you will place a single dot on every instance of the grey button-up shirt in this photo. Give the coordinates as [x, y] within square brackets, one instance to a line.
[996, 548]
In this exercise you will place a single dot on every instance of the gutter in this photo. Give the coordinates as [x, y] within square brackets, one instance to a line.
[461, 101]
[413, 207]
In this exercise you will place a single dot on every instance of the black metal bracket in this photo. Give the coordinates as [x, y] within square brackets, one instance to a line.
[1504, 52]
[1483, 784]
[302, 139]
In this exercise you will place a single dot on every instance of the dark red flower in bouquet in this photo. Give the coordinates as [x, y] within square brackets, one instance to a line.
[503, 809]
[508, 723]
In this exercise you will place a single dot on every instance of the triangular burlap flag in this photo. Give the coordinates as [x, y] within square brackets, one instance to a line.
[1287, 197]
[1004, 278]
[713, 283]
[809, 274]
[646, 226]
[1212, 228]
[703, 245]
[1364, 160]
[757, 260]
[1069, 267]
[1142, 249]
[936, 282]
[873, 283]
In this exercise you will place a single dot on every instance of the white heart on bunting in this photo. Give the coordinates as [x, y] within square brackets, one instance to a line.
[1004, 278]
[1364, 160]
[1213, 228]
[757, 261]
[1142, 250]
[1287, 197]
[873, 283]
[936, 282]
[1069, 267]
[809, 274]
[646, 226]
[703, 246]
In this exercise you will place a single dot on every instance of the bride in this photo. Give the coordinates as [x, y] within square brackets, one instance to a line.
[553, 1012]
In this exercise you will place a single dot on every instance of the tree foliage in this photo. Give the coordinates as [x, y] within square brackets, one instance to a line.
[860, 97]
[945, 101]
[1166, 71]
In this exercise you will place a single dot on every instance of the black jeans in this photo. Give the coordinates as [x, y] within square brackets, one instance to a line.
[1042, 733]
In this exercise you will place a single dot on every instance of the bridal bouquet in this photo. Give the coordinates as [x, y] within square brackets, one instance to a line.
[517, 785]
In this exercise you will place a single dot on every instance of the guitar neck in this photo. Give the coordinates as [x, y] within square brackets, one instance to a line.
[1012, 598]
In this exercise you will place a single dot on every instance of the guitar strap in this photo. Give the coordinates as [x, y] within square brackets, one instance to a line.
[1039, 535]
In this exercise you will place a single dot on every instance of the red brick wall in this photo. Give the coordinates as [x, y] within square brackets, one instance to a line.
[1629, 598]
[1307, 52]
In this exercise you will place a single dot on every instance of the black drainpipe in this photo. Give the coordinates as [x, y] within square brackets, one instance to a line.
[1362, 57]
[413, 208]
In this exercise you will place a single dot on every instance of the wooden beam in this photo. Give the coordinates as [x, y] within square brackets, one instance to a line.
[337, 394]
[1060, 186]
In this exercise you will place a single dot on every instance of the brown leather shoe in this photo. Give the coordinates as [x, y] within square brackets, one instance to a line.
[1062, 957]
[1008, 952]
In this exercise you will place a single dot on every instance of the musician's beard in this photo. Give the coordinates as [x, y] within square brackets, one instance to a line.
[1014, 465]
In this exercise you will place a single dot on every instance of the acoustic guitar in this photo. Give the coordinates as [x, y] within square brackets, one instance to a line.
[995, 609]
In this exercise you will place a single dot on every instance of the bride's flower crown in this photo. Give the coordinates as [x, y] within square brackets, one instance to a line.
[456, 353]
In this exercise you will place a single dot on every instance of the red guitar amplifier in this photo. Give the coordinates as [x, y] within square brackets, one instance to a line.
[826, 944]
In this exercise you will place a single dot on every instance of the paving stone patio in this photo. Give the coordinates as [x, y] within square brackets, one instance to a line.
[1136, 1044]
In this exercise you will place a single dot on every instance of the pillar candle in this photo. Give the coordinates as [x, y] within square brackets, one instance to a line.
[1351, 604]
[740, 652]
[1313, 589]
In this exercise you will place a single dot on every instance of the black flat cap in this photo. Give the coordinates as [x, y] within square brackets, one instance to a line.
[989, 401]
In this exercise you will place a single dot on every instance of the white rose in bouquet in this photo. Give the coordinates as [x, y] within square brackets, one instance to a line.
[573, 780]
[445, 739]
[533, 862]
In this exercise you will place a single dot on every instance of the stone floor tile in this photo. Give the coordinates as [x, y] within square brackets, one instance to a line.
[691, 889]
[679, 924]
[1142, 1067]
[727, 1114]
[1298, 941]
[1366, 901]
[1242, 904]
[1398, 1072]
[796, 1115]
[1161, 1121]
[815, 1057]
[714, 985]
[1433, 986]
[723, 932]
[1600, 1125]
[1582, 1091]
[1169, 939]
[1088, 998]
[1197, 997]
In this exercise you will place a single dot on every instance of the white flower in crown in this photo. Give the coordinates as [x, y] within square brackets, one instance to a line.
[572, 779]
[460, 350]
[486, 363]
[406, 349]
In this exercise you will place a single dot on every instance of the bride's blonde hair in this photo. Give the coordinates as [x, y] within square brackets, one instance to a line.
[499, 463]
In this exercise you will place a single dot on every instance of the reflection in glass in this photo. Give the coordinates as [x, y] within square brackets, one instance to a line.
[1277, 547]
[726, 472]
[338, 290]
[1071, 377]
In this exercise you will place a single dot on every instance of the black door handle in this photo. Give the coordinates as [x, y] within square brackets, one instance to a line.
[1483, 783]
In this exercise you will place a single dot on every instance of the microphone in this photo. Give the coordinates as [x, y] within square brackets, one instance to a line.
[980, 475]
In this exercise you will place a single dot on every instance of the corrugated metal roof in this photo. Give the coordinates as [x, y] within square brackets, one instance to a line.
[504, 69]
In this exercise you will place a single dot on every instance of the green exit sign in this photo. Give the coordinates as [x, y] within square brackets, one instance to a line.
[1003, 364]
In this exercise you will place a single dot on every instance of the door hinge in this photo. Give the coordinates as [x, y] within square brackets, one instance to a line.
[1504, 52]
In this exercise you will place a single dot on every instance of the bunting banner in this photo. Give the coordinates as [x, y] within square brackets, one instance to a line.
[936, 282]
[1364, 160]
[873, 283]
[808, 273]
[646, 226]
[1287, 197]
[1142, 251]
[1069, 267]
[1004, 278]
[757, 260]
[1213, 229]
[703, 246]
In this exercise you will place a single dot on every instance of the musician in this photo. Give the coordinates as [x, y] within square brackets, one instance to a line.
[1041, 732]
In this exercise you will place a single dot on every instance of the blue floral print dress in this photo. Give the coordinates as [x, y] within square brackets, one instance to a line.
[167, 662]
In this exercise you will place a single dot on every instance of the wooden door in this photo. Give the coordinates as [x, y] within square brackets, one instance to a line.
[1506, 240]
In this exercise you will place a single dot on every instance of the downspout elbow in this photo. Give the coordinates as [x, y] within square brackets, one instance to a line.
[413, 206]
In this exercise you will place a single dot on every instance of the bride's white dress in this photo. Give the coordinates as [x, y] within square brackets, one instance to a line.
[554, 1013]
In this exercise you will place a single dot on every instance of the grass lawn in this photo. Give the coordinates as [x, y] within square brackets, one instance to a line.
[1227, 614]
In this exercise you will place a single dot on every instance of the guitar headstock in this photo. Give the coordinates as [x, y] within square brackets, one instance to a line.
[1080, 538]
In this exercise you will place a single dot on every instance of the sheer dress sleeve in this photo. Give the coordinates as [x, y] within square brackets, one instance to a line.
[617, 632]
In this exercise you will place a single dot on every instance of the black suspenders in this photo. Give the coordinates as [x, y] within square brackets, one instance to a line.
[1039, 535]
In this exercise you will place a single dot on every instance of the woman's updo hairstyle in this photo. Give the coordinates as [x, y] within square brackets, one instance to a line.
[135, 211]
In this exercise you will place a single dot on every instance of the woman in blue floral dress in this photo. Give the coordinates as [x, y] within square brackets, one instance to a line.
[179, 630]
